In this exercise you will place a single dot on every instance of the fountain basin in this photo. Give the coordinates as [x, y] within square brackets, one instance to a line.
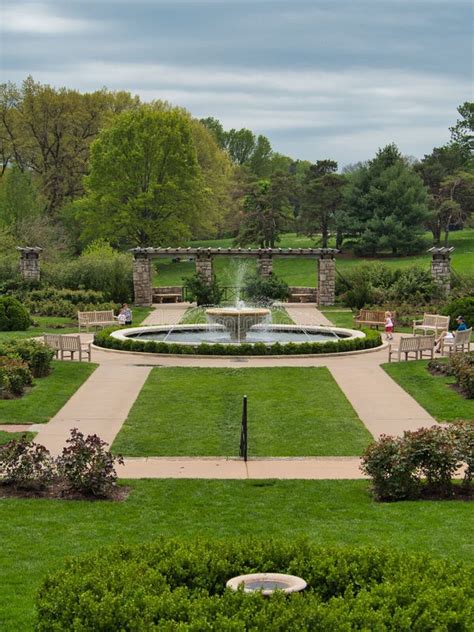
[267, 583]
[218, 334]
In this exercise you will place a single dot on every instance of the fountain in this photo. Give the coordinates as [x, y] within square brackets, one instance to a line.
[238, 320]
[267, 583]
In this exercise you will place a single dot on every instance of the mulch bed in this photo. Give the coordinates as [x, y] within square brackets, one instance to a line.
[57, 491]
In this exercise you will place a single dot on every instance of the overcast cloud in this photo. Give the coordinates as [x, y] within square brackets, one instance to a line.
[322, 79]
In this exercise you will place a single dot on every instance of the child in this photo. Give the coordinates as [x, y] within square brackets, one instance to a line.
[388, 326]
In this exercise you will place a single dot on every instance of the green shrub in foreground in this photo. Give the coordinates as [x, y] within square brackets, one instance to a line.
[14, 376]
[372, 339]
[178, 585]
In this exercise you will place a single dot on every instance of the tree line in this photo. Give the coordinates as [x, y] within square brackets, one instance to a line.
[76, 167]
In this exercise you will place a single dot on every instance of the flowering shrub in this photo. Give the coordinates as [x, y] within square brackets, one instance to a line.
[462, 367]
[25, 464]
[86, 466]
[14, 376]
[36, 355]
[420, 462]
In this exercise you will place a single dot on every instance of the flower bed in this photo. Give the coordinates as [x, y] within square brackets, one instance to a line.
[371, 340]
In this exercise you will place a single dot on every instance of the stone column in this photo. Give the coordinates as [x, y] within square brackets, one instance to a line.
[204, 268]
[142, 279]
[265, 265]
[326, 279]
[30, 263]
[441, 269]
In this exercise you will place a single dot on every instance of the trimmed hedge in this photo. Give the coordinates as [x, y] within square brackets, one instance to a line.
[372, 339]
[180, 585]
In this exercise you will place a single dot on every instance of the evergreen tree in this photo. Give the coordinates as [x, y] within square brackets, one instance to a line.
[387, 205]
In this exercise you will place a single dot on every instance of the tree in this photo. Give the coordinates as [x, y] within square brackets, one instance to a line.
[19, 200]
[260, 160]
[323, 197]
[145, 186]
[240, 144]
[217, 180]
[266, 213]
[215, 127]
[463, 131]
[387, 204]
[48, 132]
[436, 170]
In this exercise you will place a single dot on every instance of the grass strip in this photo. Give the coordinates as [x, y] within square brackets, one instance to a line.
[197, 412]
[435, 393]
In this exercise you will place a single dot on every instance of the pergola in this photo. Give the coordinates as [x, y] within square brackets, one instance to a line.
[203, 257]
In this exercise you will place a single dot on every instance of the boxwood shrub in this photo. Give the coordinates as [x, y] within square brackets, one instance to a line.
[104, 339]
[180, 585]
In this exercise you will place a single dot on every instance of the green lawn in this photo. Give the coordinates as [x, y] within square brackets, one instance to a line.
[197, 412]
[37, 535]
[296, 271]
[5, 437]
[48, 395]
[432, 392]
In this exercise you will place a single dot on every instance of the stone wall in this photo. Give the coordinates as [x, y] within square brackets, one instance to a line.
[265, 266]
[326, 280]
[30, 263]
[142, 280]
[204, 268]
[441, 272]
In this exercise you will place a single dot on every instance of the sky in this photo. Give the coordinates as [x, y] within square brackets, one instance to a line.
[321, 78]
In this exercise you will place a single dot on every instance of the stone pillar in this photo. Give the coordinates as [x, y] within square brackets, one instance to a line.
[142, 280]
[204, 268]
[265, 265]
[441, 269]
[326, 279]
[30, 263]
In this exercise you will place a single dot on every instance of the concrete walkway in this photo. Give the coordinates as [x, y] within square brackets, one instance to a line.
[166, 314]
[102, 403]
[306, 314]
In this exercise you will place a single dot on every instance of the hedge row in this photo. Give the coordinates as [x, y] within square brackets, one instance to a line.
[422, 462]
[104, 339]
[180, 585]
[461, 366]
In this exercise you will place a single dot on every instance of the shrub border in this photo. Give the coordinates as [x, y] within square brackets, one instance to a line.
[371, 342]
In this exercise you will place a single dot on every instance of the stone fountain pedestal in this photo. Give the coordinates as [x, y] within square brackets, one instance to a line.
[238, 321]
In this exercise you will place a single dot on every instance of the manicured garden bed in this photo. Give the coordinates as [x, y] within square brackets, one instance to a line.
[191, 412]
[48, 394]
[37, 535]
[434, 392]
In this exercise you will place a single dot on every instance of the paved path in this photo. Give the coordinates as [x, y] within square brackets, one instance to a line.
[102, 403]
[309, 468]
[306, 314]
[100, 406]
[166, 314]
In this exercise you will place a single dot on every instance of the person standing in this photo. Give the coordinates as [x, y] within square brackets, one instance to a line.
[388, 326]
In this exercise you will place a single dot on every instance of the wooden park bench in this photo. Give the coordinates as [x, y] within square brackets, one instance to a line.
[303, 295]
[458, 343]
[96, 319]
[412, 344]
[170, 294]
[67, 344]
[431, 322]
[371, 317]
